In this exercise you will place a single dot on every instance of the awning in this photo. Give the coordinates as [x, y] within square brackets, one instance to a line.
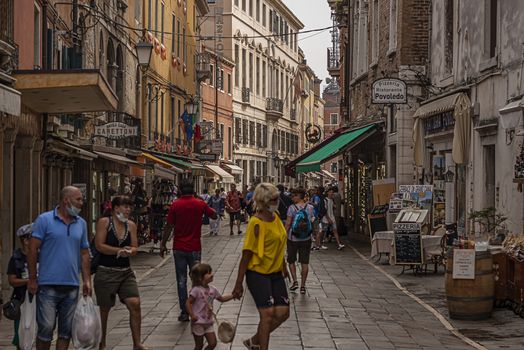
[58, 146]
[326, 151]
[224, 175]
[161, 162]
[65, 91]
[164, 173]
[117, 158]
[460, 104]
[195, 169]
[328, 174]
[234, 169]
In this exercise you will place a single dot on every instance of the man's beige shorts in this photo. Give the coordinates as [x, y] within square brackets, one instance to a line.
[111, 282]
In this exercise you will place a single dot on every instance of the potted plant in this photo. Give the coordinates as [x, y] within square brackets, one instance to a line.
[489, 222]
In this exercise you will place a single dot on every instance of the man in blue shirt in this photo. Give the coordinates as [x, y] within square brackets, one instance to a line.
[59, 243]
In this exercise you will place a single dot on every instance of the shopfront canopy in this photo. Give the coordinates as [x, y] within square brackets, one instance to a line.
[234, 169]
[460, 104]
[118, 158]
[193, 168]
[161, 162]
[224, 175]
[332, 147]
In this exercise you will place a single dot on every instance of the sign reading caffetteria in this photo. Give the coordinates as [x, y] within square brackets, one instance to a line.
[115, 130]
[389, 91]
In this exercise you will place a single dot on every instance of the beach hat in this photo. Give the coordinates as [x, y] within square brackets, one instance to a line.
[226, 331]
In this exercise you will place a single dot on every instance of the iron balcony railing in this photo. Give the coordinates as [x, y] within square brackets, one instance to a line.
[274, 105]
[246, 95]
[333, 59]
[7, 21]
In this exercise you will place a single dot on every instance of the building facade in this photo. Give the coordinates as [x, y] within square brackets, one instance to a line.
[260, 37]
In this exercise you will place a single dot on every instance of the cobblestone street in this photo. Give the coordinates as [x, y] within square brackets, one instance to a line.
[349, 305]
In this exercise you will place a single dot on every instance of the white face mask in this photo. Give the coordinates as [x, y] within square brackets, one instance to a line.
[73, 211]
[122, 217]
[273, 208]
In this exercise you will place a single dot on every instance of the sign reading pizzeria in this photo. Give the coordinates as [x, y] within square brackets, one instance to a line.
[115, 130]
[389, 91]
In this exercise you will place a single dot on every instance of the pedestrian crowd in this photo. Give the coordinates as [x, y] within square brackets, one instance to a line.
[283, 228]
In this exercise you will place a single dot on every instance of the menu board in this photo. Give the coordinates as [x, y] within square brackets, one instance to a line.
[408, 244]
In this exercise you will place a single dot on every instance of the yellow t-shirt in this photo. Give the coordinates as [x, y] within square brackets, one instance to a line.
[268, 247]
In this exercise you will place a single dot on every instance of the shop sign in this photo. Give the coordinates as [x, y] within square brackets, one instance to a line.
[209, 147]
[216, 146]
[210, 157]
[115, 130]
[389, 91]
[464, 264]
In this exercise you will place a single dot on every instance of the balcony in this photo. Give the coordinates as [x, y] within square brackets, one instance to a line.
[274, 108]
[333, 62]
[246, 95]
[203, 69]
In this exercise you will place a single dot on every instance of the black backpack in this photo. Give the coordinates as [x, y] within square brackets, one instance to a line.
[322, 207]
[284, 202]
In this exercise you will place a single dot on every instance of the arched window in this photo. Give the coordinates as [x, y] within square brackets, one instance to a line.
[120, 76]
[111, 65]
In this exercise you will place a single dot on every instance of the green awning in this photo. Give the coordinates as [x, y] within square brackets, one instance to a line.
[330, 150]
[194, 168]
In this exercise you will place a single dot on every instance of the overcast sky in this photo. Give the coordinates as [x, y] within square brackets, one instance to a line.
[314, 14]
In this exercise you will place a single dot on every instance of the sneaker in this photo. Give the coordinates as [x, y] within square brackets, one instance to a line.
[184, 317]
[316, 249]
[323, 247]
[340, 246]
[239, 232]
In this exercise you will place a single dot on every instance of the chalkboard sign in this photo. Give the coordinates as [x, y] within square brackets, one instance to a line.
[408, 244]
[377, 219]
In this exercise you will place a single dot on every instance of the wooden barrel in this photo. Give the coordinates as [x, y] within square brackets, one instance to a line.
[471, 299]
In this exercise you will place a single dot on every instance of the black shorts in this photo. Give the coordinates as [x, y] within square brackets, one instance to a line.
[267, 290]
[234, 216]
[303, 248]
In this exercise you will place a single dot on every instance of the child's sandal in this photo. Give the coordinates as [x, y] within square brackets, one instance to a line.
[248, 343]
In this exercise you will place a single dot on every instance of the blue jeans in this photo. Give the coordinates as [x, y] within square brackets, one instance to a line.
[53, 301]
[184, 261]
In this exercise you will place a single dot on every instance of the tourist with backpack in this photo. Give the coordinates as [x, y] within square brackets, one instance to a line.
[328, 221]
[299, 228]
[318, 201]
[284, 201]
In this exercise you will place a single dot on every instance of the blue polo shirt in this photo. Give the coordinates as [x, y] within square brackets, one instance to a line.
[59, 256]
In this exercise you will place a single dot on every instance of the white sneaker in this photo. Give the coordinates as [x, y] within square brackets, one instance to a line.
[340, 246]
[323, 247]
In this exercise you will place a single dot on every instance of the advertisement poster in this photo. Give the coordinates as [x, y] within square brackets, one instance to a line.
[422, 195]
[464, 264]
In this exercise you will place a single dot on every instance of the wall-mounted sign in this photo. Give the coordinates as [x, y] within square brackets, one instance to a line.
[313, 133]
[115, 130]
[389, 91]
[209, 147]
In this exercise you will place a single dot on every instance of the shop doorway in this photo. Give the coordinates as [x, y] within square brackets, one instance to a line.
[489, 176]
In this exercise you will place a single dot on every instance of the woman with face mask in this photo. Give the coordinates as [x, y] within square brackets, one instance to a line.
[116, 241]
[262, 265]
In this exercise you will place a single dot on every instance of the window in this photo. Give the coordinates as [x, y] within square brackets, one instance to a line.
[178, 38]
[184, 43]
[263, 78]
[259, 135]
[392, 24]
[245, 132]
[258, 76]
[149, 13]
[271, 20]
[448, 44]
[250, 5]
[162, 23]
[375, 33]
[257, 10]
[490, 28]
[244, 5]
[228, 83]
[212, 75]
[238, 130]
[251, 71]
[156, 17]
[251, 133]
[244, 68]
[264, 15]
[173, 39]
[334, 168]
[221, 82]
[237, 69]
[229, 143]
[286, 95]
[264, 136]
[333, 119]
[236, 3]
[173, 119]
[37, 37]
[290, 37]
[222, 137]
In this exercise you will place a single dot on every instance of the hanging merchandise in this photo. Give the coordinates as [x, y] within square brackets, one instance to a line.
[164, 193]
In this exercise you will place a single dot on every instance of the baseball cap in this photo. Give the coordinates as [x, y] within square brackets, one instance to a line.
[24, 230]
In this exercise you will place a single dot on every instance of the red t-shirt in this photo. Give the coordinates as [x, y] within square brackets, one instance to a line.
[186, 215]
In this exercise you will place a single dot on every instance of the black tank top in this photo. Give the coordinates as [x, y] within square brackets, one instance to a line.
[113, 241]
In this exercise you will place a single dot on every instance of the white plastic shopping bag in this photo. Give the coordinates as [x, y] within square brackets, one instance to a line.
[27, 329]
[87, 328]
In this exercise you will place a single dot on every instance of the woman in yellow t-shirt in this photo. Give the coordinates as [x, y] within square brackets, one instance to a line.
[262, 265]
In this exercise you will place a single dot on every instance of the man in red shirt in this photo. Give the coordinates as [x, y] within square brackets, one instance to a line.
[233, 207]
[185, 216]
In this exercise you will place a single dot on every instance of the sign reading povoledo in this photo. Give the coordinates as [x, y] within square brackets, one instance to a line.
[389, 91]
[463, 264]
[115, 130]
